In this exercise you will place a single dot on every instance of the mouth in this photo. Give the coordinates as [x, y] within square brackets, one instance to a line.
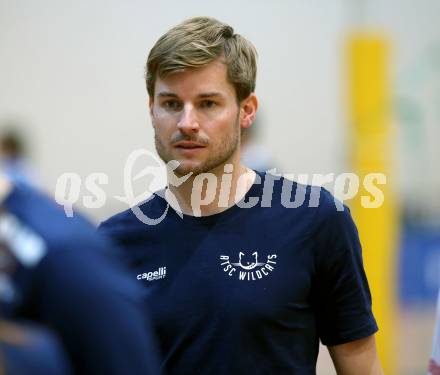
[189, 145]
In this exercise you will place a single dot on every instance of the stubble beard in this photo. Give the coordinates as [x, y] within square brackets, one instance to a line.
[217, 157]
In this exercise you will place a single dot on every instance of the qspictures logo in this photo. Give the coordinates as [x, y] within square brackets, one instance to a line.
[208, 188]
[248, 267]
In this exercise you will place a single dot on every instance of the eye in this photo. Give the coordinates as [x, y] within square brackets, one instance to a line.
[208, 104]
[173, 105]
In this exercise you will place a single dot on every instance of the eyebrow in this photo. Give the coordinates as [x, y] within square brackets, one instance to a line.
[203, 95]
[167, 94]
[209, 94]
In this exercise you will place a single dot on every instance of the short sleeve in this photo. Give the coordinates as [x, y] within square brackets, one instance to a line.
[343, 296]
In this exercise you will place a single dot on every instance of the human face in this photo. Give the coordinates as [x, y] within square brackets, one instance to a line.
[196, 119]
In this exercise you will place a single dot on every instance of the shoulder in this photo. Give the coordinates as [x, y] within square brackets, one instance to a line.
[317, 208]
[285, 191]
[329, 208]
[36, 218]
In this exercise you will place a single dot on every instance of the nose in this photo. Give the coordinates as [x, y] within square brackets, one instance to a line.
[188, 122]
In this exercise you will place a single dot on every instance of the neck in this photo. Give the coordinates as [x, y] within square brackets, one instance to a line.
[215, 191]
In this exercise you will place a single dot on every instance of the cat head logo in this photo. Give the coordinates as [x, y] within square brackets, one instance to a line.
[248, 263]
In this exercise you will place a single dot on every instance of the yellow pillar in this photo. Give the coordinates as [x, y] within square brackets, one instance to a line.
[371, 152]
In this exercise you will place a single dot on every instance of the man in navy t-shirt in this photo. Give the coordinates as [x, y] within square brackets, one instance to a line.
[245, 272]
[57, 272]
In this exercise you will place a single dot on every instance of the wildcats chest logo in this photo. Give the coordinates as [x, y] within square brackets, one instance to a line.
[248, 267]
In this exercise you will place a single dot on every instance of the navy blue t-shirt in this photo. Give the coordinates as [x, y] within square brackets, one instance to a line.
[59, 272]
[250, 290]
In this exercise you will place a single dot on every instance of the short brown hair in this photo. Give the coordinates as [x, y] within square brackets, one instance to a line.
[195, 43]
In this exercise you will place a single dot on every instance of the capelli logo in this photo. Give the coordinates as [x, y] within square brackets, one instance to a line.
[161, 273]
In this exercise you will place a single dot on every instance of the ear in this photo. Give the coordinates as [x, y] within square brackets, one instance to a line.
[248, 111]
[150, 106]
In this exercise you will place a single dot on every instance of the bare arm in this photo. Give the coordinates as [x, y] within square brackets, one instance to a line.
[356, 358]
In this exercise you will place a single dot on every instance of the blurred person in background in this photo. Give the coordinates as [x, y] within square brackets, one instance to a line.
[13, 156]
[30, 349]
[57, 272]
[253, 154]
[233, 288]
